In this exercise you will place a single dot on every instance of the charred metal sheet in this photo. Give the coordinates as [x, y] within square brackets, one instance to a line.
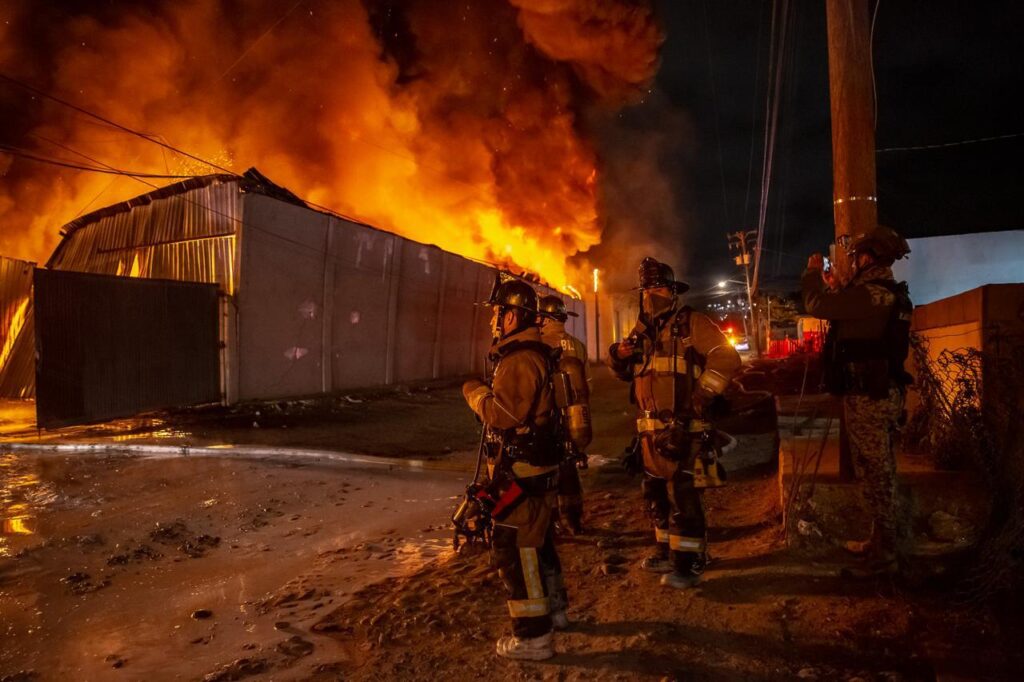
[112, 347]
[17, 378]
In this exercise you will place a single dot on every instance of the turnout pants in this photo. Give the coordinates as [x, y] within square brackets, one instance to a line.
[676, 510]
[570, 494]
[523, 551]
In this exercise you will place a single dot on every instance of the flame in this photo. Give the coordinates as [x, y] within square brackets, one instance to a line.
[13, 330]
[452, 123]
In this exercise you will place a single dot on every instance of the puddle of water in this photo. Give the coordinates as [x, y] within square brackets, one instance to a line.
[23, 494]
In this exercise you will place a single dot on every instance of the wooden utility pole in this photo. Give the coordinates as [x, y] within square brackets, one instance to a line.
[854, 198]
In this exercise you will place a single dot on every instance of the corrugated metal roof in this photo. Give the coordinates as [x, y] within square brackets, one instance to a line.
[185, 231]
[187, 235]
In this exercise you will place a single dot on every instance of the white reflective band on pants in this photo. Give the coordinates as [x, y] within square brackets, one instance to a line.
[681, 543]
[536, 603]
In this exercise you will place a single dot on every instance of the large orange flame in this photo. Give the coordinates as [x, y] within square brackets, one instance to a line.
[453, 123]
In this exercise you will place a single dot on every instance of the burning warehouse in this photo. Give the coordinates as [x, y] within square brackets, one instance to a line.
[283, 300]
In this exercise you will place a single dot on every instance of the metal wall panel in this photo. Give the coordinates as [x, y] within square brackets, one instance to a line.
[463, 323]
[420, 276]
[280, 300]
[114, 346]
[326, 304]
[361, 285]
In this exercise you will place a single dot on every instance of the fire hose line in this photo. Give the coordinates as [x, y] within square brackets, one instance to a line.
[241, 452]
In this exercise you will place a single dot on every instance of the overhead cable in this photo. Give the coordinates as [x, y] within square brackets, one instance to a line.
[36, 91]
[771, 127]
[944, 145]
[23, 154]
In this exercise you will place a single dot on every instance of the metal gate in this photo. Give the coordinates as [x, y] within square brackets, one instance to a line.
[110, 347]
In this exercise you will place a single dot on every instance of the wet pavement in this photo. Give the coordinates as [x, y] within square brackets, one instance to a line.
[116, 566]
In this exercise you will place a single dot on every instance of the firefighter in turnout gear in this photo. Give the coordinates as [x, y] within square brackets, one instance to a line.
[680, 364]
[520, 419]
[865, 349]
[573, 360]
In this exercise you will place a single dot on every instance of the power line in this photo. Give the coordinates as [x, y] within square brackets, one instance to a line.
[77, 153]
[21, 153]
[753, 112]
[944, 145]
[871, 60]
[36, 91]
[246, 51]
[771, 127]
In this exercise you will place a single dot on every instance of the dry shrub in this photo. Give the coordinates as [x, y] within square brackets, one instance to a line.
[972, 417]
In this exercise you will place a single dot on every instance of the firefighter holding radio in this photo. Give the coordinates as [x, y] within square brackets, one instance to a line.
[680, 364]
[523, 449]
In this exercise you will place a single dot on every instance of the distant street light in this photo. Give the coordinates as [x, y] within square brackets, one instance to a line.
[722, 284]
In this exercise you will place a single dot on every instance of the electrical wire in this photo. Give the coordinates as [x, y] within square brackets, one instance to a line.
[110, 184]
[41, 93]
[943, 145]
[23, 154]
[753, 112]
[246, 51]
[771, 128]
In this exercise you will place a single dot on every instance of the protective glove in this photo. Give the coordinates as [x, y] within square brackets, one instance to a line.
[470, 386]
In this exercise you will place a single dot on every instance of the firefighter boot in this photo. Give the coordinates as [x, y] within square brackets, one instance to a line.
[558, 599]
[526, 649]
[680, 581]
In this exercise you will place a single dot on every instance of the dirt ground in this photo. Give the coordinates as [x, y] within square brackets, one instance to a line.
[283, 568]
[761, 612]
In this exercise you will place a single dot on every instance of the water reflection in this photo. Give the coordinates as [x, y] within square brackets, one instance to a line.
[21, 493]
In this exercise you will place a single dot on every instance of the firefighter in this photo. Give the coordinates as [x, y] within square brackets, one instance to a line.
[864, 354]
[523, 452]
[680, 364]
[573, 358]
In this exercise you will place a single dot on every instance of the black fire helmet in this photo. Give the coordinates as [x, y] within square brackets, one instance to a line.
[554, 307]
[654, 274]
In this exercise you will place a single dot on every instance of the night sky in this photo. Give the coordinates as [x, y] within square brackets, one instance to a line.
[945, 71]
